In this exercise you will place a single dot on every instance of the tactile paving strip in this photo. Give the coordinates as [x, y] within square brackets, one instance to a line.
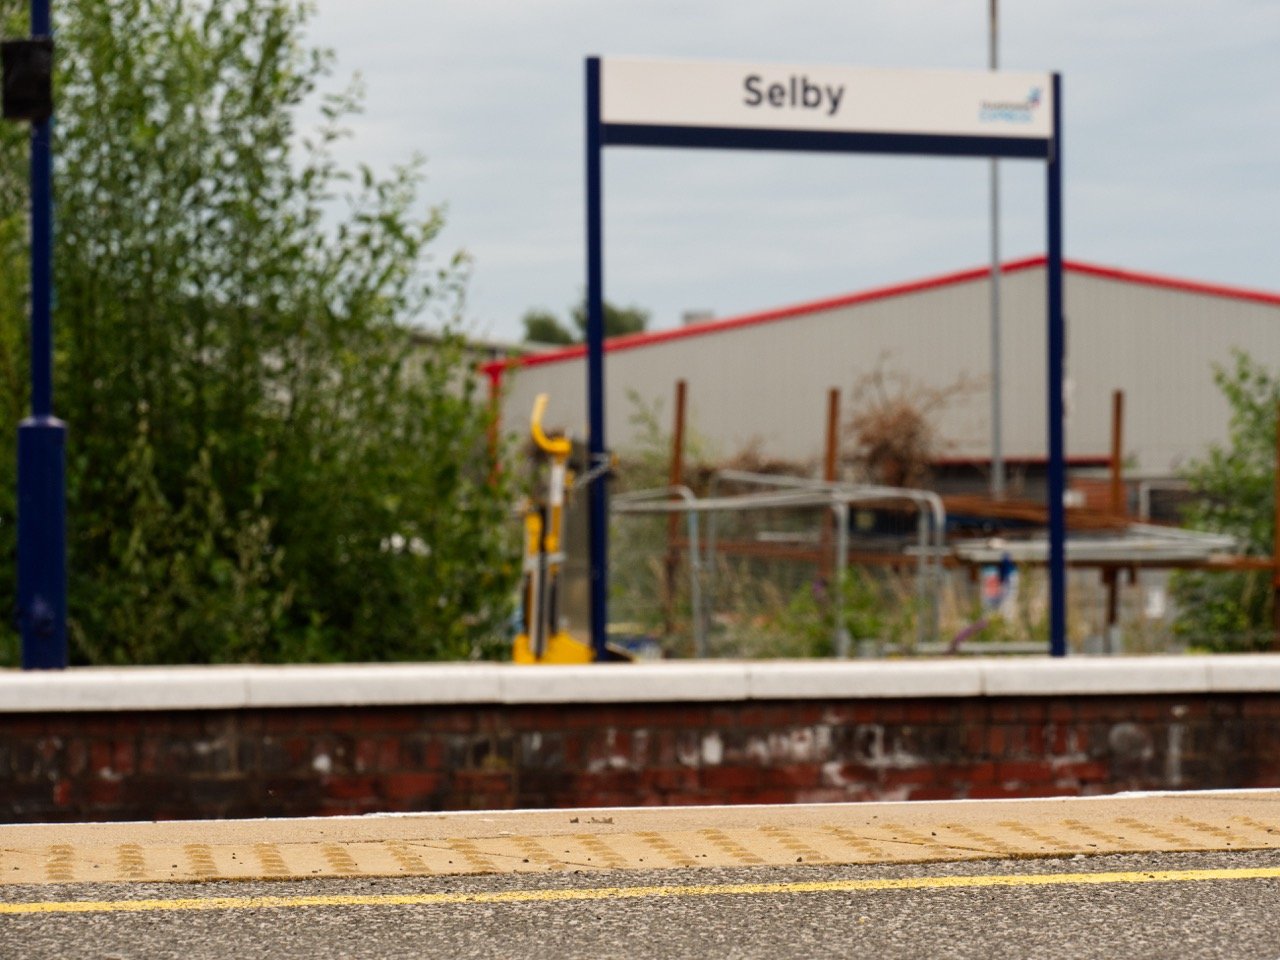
[626, 839]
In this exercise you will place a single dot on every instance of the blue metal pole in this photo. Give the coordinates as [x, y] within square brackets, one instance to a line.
[1057, 350]
[599, 491]
[42, 564]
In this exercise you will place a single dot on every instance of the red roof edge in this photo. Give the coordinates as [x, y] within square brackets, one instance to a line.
[1174, 283]
[632, 341]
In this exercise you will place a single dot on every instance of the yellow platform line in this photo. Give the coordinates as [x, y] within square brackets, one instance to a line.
[642, 892]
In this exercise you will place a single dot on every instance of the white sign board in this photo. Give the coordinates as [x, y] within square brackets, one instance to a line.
[757, 96]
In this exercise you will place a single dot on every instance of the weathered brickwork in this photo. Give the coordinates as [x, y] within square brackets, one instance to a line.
[299, 762]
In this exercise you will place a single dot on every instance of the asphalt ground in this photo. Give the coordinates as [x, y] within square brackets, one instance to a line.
[1195, 875]
[1130, 906]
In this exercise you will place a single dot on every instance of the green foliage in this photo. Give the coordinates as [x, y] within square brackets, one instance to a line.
[618, 321]
[810, 615]
[1235, 494]
[543, 326]
[262, 463]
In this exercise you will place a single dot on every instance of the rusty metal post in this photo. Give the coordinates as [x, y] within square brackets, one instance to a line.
[675, 478]
[1119, 504]
[833, 436]
[830, 465]
[1119, 508]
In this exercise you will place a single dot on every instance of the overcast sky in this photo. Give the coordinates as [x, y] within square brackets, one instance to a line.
[1171, 145]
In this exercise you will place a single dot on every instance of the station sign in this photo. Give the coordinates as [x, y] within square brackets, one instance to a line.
[822, 99]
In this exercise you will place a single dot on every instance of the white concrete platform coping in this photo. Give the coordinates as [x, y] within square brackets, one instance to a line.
[726, 681]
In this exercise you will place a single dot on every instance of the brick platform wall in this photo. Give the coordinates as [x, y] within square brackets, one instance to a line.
[125, 764]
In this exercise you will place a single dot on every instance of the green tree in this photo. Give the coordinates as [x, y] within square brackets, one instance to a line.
[543, 326]
[618, 321]
[1234, 487]
[262, 465]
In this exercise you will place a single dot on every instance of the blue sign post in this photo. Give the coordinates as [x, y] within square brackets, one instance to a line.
[728, 106]
[42, 563]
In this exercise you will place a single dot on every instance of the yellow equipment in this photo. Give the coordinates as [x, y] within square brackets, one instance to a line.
[542, 638]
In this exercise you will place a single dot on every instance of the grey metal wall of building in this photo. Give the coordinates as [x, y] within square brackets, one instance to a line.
[766, 383]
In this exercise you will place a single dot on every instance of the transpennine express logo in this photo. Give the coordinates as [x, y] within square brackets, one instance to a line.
[1010, 111]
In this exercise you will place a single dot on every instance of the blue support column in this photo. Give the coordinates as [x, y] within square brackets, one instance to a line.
[599, 490]
[1057, 351]
[42, 565]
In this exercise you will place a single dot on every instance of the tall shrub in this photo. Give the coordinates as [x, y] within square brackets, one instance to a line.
[263, 464]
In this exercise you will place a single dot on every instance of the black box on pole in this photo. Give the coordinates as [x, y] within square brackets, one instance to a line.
[28, 78]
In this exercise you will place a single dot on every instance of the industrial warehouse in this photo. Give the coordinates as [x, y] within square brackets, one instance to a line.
[761, 380]
[1141, 405]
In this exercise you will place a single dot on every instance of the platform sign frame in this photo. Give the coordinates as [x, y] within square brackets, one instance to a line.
[826, 109]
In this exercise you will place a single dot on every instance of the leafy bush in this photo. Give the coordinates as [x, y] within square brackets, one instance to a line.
[1235, 494]
[263, 463]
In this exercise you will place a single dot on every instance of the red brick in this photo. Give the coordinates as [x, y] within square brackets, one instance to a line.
[1057, 739]
[923, 711]
[76, 757]
[376, 755]
[387, 721]
[910, 775]
[980, 773]
[1086, 770]
[758, 716]
[1062, 710]
[1008, 711]
[100, 793]
[625, 782]
[1254, 707]
[112, 725]
[149, 757]
[17, 726]
[1015, 742]
[1026, 771]
[799, 775]
[680, 779]
[1035, 740]
[889, 712]
[975, 741]
[404, 786]
[997, 739]
[100, 756]
[62, 792]
[347, 788]
[476, 781]
[419, 755]
[717, 779]
[124, 757]
[851, 713]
